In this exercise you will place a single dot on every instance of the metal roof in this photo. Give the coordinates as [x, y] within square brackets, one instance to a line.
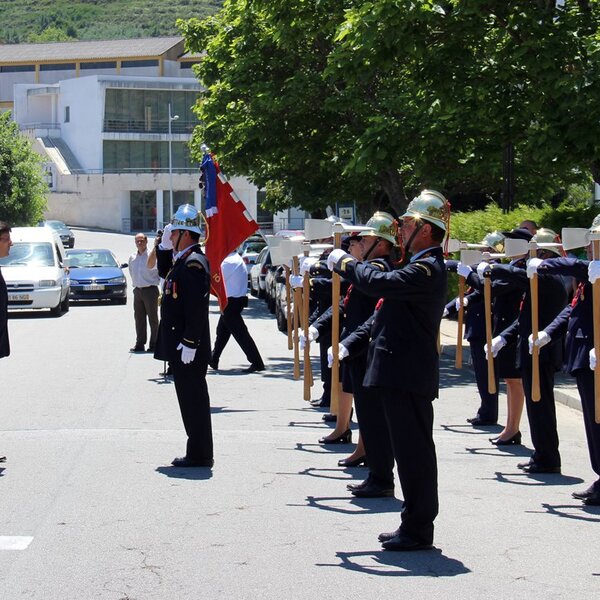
[92, 50]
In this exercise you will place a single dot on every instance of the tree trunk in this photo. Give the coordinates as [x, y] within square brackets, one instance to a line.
[395, 197]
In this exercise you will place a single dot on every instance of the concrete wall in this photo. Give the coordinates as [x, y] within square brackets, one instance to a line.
[8, 80]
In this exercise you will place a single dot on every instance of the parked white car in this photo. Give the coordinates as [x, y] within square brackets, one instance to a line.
[36, 270]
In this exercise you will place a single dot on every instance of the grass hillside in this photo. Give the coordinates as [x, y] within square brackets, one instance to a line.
[59, 20]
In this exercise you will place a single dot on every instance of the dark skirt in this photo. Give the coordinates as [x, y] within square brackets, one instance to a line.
[506, 362]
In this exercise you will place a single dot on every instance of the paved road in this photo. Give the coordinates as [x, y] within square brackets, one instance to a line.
[88, 496]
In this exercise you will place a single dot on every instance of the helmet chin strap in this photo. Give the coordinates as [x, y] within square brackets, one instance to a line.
[366, 256]
[176, 245]
[412, 237]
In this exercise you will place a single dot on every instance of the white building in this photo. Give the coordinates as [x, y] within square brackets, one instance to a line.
[113, 119]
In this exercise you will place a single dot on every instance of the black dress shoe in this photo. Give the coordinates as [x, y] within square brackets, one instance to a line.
[184, 461]
[373, 491]
[583, 494]
[254, 368]
[345, 438]
[388, 535]
[321, 402]
[358, 486]
[151, 349]
[403, 543]
[213, 364]
[536, 468]
[357, 462]
[2, 458]
[137, 349]
[515, 439]
[592, 500]
[476, 421]
[329, 418]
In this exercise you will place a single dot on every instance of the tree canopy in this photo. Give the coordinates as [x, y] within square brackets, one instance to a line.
[337, 100]
[22, 187]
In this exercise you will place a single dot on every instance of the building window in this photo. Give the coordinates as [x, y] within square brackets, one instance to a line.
[58, 67]
[147, 157]
[188, 64]
[180, 197]
[67, 114]
[17, 68]
[143, 210]
[147, 111]
[138, 63]
[98, 65]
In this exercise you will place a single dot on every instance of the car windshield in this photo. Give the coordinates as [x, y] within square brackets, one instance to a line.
[56, 224]
[37, 254]
[91, 258]
[255, 247]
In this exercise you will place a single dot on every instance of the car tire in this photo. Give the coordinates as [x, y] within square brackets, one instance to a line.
[271, 305]
[261, 293]
[252, 290]
[57, 310]
[65, 304]
[281, 321]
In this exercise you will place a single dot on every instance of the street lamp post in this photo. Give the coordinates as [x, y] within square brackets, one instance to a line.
[171, 118]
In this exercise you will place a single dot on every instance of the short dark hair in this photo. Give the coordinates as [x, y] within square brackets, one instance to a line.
[437, 233]
[4, 227]
[194, 235]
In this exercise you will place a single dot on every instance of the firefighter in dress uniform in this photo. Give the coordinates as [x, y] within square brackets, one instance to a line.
[184, 335]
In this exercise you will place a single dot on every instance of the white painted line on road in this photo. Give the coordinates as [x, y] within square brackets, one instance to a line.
[15, 542]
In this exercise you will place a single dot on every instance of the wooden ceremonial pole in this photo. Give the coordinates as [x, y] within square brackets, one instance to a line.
[308, 378]
[535, 355]
[296, 318]
[335, 330]
[596, 313]
[461, 312]
[288, 303]
[487, 299]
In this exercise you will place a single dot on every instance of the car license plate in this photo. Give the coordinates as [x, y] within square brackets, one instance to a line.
[19, 297]
[93, 287]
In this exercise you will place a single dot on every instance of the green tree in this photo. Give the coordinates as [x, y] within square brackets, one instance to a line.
[50, 34]
[22, 187]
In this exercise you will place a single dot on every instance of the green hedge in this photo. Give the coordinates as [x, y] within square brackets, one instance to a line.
[473, 226]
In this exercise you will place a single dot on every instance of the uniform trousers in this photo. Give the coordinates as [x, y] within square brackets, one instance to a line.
[145, 306]
[541, 414]
[194, 403]
[231, 323]
[373, 428]
[409, 419]
[488, 411]
[585, 385]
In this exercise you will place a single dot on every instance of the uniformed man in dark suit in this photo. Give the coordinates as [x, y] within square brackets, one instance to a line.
[5, 244]
[403, 361]
[184, 335]
[577, 321]
[541, 414]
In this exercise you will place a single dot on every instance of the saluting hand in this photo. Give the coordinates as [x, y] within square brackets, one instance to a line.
[335, 256]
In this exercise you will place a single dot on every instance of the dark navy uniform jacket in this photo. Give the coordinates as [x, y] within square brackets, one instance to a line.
[402, 334]
[552, 298]
[184, 308]
[4, 345]
[474, 311]
[576, 319]
[354, 308]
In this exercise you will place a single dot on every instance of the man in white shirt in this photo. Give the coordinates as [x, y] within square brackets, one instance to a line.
[231, 322]
[145, 295]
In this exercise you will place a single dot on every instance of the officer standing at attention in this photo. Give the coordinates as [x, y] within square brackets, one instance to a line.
[145, 295]
[184, 335]
[235, 277]
[403, 361]
[5, 244]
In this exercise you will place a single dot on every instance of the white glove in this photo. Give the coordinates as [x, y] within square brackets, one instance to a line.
[166, 243]
[335, 256]
[593, 359]
[463, 270]
[313, 334]
[187, 354]
[594, 270]
[497, 344]
[296, 281]
[532, 266]
[307, 263]
[457, 303]
[482, 268]
[342, 353]
[542, 340]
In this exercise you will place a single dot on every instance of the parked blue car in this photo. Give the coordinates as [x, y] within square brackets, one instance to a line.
[96, 275]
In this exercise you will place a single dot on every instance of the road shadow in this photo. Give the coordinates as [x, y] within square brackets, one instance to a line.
[352, 505]
[590, 514]
[191, 473]
[422, 563]
[536, 479]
